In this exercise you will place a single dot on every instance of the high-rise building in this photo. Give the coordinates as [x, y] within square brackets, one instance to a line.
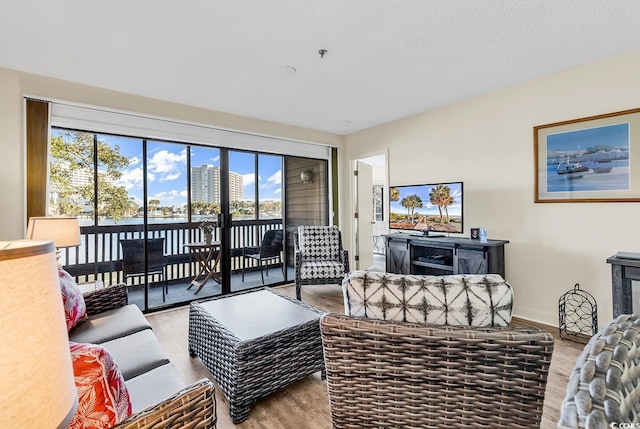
[236, 186]
[205, 184]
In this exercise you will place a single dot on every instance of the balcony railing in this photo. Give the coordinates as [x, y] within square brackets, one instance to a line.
[99, 257]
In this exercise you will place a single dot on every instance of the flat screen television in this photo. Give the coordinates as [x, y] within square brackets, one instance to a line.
[433, 207]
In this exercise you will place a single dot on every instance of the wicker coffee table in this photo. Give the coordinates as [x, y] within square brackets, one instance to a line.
[255, 343]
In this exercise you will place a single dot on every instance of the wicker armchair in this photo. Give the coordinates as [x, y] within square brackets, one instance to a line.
[192, 407]
[604, 387]
[386, 374]
[320, 258]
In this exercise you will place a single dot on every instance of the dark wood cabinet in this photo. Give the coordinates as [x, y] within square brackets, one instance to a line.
[398, 257]
[411, 254]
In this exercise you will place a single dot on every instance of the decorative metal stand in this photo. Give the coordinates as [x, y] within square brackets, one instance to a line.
[578, 314]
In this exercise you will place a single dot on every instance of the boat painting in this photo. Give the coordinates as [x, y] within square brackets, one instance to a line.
[571, 168]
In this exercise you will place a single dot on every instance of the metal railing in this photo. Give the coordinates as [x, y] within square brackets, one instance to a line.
[99, 256]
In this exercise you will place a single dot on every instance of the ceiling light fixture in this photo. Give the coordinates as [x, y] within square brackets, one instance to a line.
[288, 70]
[344, 122]
[322, 52]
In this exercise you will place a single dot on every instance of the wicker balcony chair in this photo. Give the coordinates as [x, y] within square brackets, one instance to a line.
[319, 256]
[269, 250]
[389, 374]
[604, 387]
[134, 264]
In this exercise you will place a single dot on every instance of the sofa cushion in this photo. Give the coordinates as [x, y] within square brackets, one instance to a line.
[465, 299]
[136, 353]
[154, 386]
[110, 325]
[103, 398]
[75, 309]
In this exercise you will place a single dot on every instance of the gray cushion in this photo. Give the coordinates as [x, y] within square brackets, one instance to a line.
[136, 353]
[154, 386]
[110, 325]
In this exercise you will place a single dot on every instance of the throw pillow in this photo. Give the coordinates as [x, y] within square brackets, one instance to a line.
[103, 398]
[75, 309]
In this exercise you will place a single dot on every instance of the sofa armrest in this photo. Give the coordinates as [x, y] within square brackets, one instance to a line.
[194, 406]
[105, 299]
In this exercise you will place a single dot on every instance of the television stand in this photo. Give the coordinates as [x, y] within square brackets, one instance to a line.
[427, 233]
[443, 255]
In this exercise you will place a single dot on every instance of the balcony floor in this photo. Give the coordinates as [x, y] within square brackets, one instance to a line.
[178, 292]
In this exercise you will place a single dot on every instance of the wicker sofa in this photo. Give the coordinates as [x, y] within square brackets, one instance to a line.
[158, 396]
[415, 369]
[604, 388]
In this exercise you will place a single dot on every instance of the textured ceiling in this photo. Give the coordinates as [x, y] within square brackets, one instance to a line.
[386, 59]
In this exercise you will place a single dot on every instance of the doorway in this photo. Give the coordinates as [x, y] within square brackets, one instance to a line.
[370, 211]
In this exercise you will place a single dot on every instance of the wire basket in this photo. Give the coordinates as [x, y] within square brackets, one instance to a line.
[578, 313]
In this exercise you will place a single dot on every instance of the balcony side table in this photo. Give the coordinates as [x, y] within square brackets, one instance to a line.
[208, 258]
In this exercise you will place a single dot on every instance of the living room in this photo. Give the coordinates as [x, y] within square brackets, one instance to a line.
[485, 140]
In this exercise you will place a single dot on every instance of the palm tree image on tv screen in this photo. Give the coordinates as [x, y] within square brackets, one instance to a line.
[433, 207]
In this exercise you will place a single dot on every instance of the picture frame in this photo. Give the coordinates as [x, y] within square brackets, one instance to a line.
[592, 159]
[475, 233]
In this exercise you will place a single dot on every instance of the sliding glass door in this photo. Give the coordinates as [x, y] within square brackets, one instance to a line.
[177, 221]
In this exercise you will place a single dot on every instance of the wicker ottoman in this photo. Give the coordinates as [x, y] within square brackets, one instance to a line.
[255, 343]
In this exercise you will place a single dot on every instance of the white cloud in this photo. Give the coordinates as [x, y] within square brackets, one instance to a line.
[168, 197]
[248, 179]
[131, 178]
[169, 177]
[167, 164]
[275, 179]
[277, 191]
[134, 160]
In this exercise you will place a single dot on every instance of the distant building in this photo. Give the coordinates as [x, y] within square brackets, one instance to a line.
[205, 184]
[236, 186]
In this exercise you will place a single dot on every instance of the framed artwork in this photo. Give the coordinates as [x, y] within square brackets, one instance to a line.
[594, 159]
[475, 233]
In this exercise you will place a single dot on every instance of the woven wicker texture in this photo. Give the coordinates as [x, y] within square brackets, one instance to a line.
[194, 407]
[384, 374]
[106, 299]
[604, 387]
[248, 370]
[313, 245]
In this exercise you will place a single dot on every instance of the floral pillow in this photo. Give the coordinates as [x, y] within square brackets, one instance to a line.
[75, 309]
[103, 398]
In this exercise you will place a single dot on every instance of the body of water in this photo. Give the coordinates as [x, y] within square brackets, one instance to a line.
[616, 179]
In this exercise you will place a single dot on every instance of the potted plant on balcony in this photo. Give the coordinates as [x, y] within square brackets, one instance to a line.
[207, 228]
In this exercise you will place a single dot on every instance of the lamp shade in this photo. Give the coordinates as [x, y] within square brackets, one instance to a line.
[38, 389]
[63, 231]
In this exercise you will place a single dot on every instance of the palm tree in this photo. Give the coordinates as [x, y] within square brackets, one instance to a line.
[394, 194]
[411, 202]
[441, 197]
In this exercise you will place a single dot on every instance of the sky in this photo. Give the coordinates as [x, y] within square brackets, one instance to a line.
[427, 208]
[167, 169]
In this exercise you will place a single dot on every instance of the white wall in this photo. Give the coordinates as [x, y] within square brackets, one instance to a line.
[487, 142]
[14, 86]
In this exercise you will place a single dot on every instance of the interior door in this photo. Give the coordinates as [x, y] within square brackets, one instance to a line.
[364, 220]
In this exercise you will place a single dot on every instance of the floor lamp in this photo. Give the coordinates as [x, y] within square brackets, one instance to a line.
[38, 389]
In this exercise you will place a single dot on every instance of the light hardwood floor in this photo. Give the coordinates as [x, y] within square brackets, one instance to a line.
[305, 405]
